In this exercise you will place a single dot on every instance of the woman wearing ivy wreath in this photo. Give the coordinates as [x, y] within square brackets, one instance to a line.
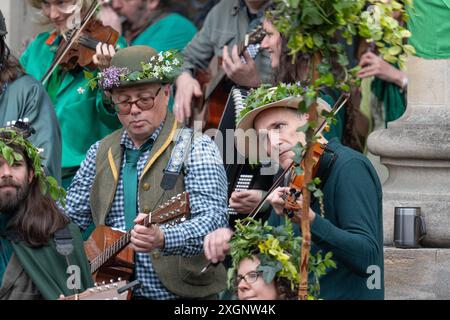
[350, 224]
[266, 260]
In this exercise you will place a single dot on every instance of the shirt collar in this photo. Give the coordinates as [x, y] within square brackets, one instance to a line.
[126, 141]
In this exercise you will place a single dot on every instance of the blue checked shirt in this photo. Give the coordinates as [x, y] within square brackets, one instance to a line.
[206, 183]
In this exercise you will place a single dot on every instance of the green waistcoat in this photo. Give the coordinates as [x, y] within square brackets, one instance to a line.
[179, 274]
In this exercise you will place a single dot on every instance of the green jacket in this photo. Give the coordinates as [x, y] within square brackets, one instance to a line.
[81, 113]
[42, 273]
[226, 24]
[429, 28]
[352, 227]
[26, 98]
[173, 31]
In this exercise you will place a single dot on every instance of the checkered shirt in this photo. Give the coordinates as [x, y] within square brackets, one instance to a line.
[206, 183]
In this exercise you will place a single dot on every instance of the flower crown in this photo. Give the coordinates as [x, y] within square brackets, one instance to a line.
[164, 67]
[278, 251]
[48, 185]
[266, 94]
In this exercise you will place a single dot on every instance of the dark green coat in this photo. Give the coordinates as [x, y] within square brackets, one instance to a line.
[353, 226]
[26, 98]
[41, 273]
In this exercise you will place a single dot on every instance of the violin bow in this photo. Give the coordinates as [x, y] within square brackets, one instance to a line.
[337, 106]
[73, 38]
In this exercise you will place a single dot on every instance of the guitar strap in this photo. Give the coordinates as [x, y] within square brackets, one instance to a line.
[177, 158]
[64, 241]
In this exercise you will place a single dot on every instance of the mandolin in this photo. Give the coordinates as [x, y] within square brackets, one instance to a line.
[107, 248]
[109, 291]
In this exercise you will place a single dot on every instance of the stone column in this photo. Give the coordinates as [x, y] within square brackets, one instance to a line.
[416, 151]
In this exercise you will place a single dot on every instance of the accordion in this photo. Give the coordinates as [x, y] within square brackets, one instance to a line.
[241, 176]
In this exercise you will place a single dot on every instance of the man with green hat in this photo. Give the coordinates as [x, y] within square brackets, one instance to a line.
[24, 98]
[350, 225]
[121, 176]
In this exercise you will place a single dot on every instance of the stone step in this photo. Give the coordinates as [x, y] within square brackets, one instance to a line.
[411, 274]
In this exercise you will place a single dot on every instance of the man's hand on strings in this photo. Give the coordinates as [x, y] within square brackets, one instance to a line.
[277, 201]
[243, 74]
[146, 239]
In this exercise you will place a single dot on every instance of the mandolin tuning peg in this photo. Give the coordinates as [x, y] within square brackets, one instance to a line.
[119, 279]
[8, 124]
[13, 122]
[111, 281]
[26, 120]
[96, 284]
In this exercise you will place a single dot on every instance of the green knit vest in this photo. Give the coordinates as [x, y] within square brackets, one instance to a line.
[179, 275]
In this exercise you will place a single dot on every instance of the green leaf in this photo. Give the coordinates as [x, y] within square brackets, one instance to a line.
[343, 60]
[318, 193]
[318, 39]
[303, 128]
[88, 75]
[134, 76]
[394, 50]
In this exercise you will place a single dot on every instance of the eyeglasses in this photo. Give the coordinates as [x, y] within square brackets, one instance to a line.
[249, 277]
[144, 103]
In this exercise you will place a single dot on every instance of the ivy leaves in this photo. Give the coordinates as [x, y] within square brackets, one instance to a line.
[312, 27]
[47, 184]
[278, 250]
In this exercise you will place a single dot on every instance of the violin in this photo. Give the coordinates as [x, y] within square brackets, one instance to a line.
[81, 43]
[82, 51]
[297, 182]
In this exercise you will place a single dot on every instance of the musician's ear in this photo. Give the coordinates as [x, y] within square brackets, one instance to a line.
[108, 93]
[167, 89]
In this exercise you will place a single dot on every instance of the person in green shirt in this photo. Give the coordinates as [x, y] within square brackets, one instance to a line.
[33, 264]
[351, 226]
[24, 98]
[82, 113]
[150, 23]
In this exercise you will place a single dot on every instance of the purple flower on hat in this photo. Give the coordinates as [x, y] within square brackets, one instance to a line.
[110, 77]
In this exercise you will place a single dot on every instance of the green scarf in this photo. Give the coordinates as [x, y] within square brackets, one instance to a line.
[130, 182]
[393, 100]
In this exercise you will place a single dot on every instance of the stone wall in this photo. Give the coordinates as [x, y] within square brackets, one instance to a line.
[22, 23]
